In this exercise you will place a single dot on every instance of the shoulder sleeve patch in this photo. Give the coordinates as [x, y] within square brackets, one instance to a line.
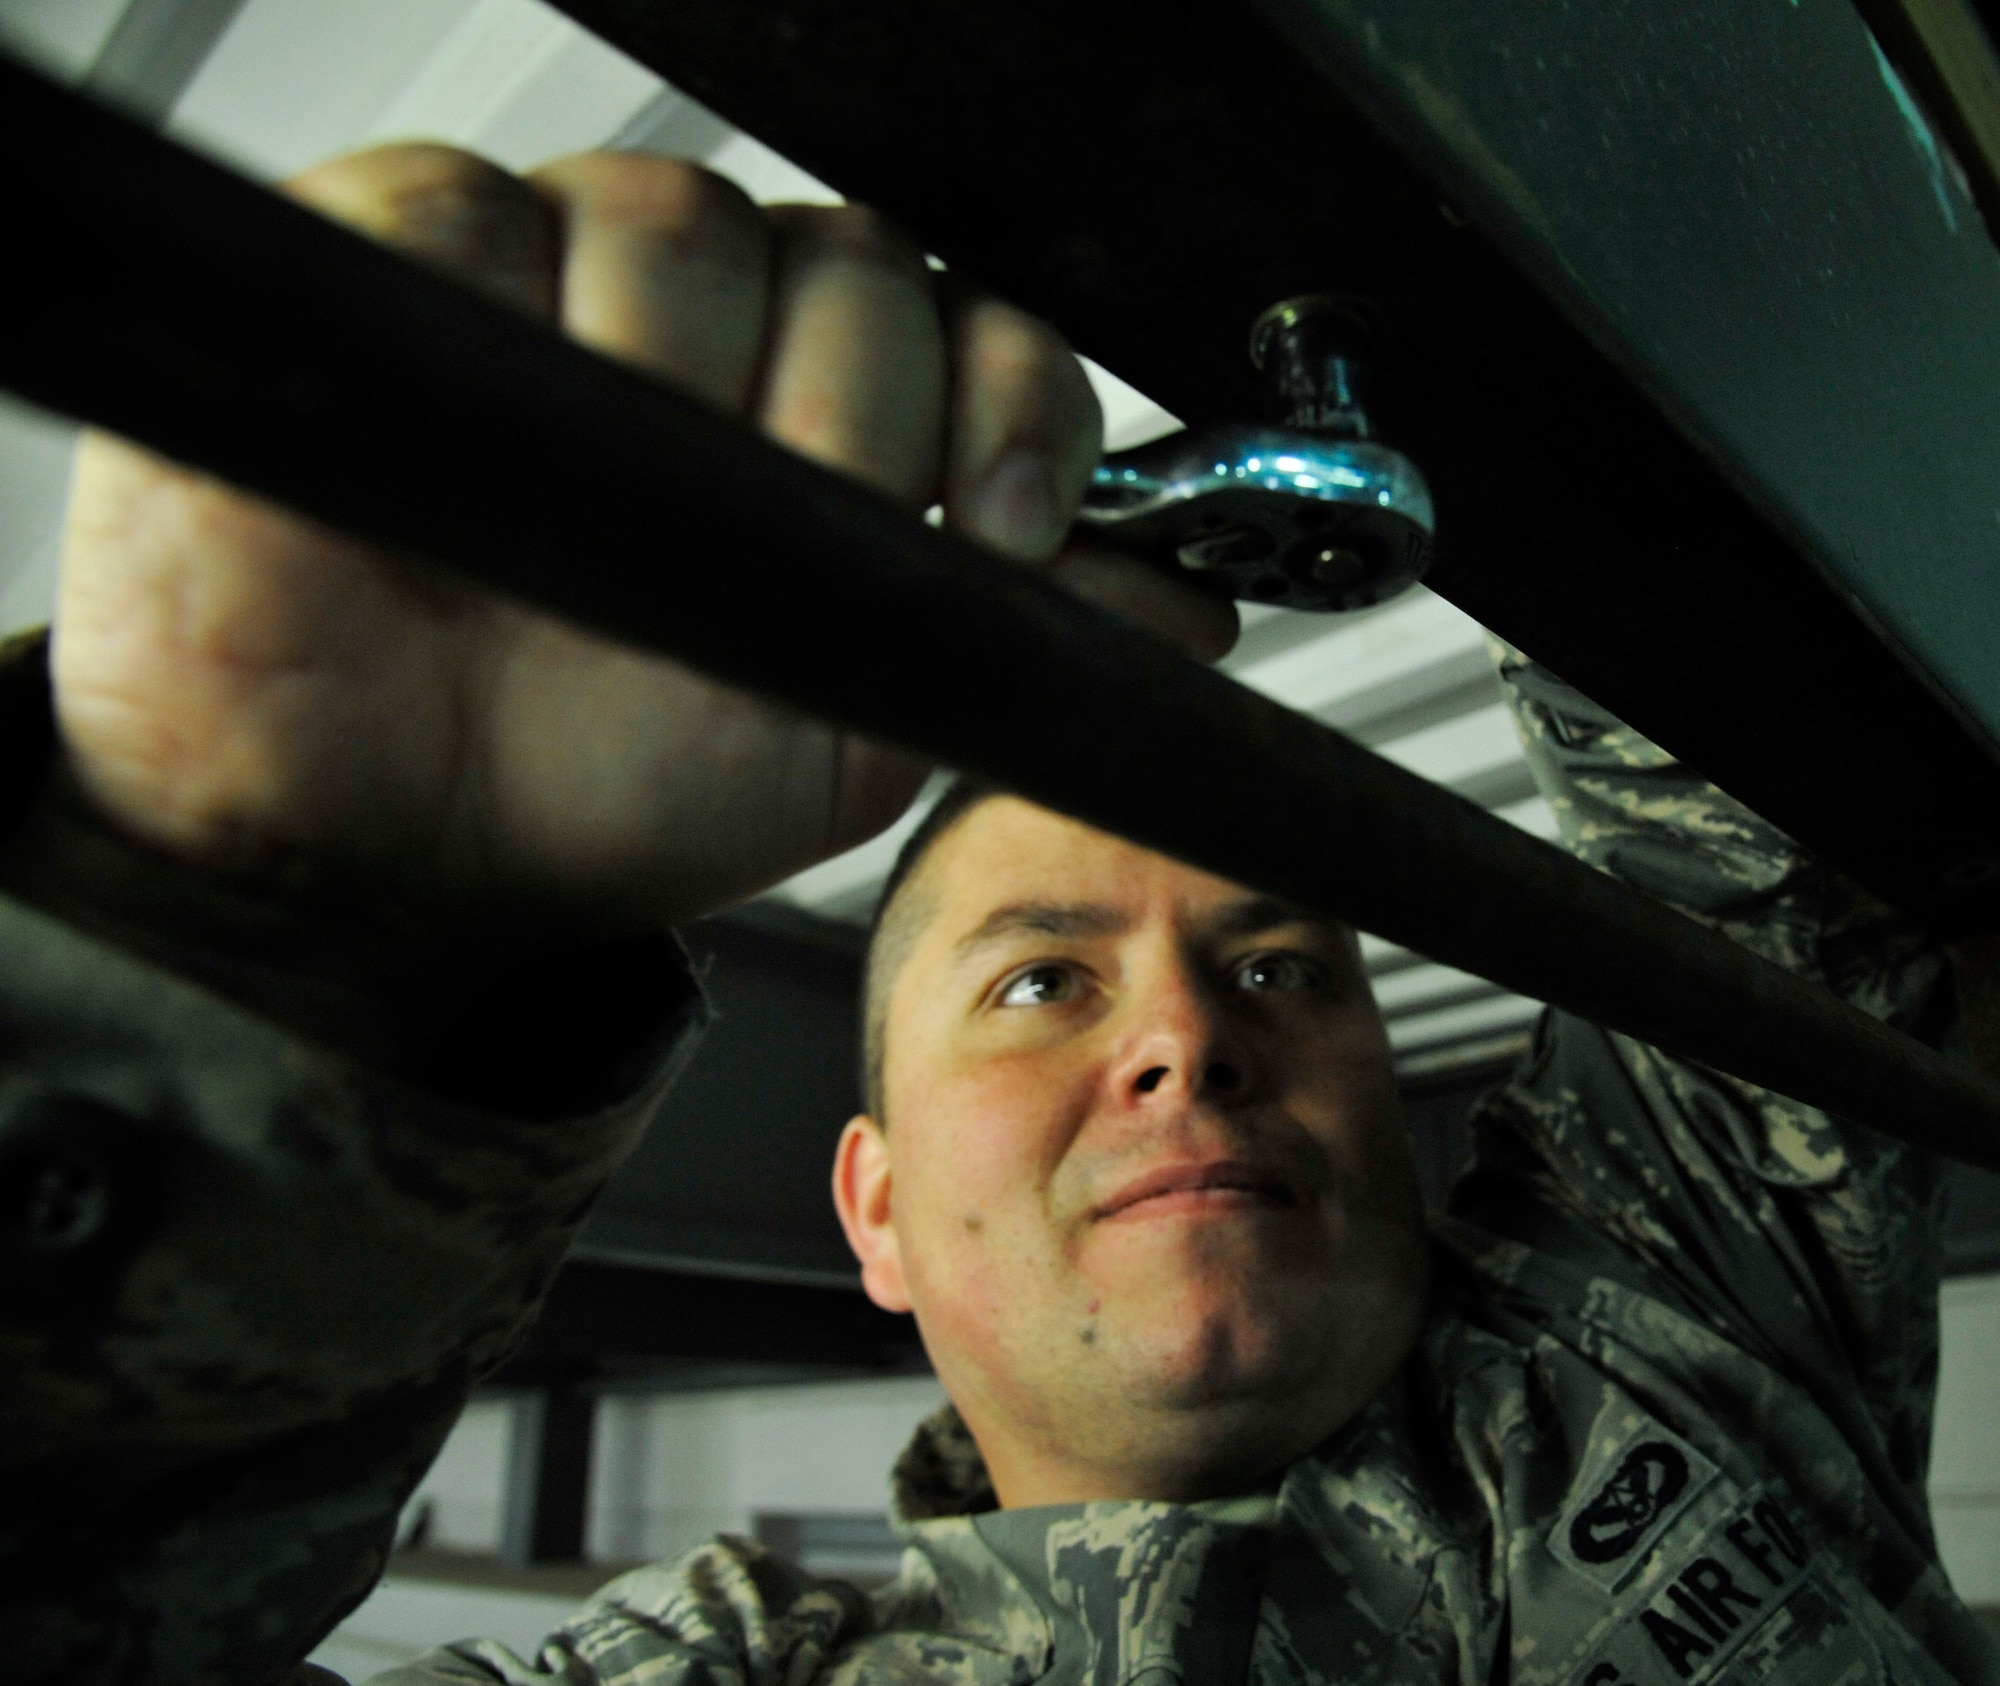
[1631, 1487]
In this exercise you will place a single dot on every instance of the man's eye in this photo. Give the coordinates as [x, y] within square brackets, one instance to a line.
[1282, 972]
[1038, 986]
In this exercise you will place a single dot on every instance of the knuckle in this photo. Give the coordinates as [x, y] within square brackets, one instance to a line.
[1019, 362]
[854, 231]
[1006, 342]
[667, 196]
[1003, 342]
[438, 202]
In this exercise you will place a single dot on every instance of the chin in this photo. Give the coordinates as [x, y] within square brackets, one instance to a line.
[1191, 1354]
[1310, 1351]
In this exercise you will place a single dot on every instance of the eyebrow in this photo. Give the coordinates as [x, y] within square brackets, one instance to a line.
[1044, 919]
[1265, 913]
[1095, 919]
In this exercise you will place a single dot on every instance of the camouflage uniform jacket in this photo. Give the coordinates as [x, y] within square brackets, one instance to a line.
[1668, 1420]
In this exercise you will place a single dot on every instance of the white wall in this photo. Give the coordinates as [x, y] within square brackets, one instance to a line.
[1965, 1458]
[670, 1470]
[462, 1491]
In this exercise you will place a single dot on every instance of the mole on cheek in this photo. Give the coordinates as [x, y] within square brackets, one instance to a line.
[1089, 1336]
[973, 1222]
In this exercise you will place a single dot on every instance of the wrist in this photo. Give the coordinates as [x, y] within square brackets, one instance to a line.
[507, 1007]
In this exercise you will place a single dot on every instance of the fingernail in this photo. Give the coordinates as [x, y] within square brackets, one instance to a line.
[1016, 508]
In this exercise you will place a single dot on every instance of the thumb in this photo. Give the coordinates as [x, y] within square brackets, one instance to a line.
[1203, 624]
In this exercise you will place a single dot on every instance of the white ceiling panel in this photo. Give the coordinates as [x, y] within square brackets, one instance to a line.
[1533, 816]
[521, 84]
[1429, 986]
[35, 453]
[1476, 1030]
[492, 55]
[62, 37]
[1130, 417]
[1400, 645]
[297, 81]
[1460, 750]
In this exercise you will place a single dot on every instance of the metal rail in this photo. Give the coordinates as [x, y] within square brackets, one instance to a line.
[155, 293]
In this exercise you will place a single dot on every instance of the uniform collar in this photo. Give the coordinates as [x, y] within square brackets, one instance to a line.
[1144, 1594]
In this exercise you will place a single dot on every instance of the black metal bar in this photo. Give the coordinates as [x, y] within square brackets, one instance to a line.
[157, 294]
[616, 1316]
[1668, 316]
[545, 1504]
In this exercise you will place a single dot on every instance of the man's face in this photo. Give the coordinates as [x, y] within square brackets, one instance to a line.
[1145, 1181]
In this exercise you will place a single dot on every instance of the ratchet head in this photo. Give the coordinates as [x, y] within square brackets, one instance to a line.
[1269, 514]
[1312, 514]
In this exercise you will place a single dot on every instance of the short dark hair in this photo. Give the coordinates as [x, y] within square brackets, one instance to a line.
[895, 930]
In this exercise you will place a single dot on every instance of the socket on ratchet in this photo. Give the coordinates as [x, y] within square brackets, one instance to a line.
[1312, 514]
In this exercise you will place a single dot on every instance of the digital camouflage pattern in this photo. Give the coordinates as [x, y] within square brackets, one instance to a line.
[1668, 1421]
[246, 1280]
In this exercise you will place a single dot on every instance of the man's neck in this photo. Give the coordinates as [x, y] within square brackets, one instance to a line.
[1028, 1476]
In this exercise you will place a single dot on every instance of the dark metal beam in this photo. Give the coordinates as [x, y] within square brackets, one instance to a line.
[1674, 313]
[614, 1317]
[545, 1503]
[226, 327]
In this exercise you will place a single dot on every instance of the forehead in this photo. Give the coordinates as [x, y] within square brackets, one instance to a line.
[1009, 851]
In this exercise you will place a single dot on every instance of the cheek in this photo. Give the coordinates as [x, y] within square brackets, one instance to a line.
[1342, 1085]
[976, 1152]
[1379, 1132]
[990, 1133]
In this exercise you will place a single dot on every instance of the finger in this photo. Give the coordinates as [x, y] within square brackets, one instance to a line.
[854, 374]
[873, 784]
[1025, 430]
[449, 208]
[664, 263]
[1204, 626]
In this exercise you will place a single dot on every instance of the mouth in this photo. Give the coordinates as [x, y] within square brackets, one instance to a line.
[1217, 1185]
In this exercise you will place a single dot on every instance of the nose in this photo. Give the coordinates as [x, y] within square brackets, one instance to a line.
[1181, 1045]
[1218, 1077]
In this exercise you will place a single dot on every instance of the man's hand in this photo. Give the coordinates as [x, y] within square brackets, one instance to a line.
[240, 686]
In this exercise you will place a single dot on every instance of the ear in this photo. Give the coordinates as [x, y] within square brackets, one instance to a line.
[861, 1190]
